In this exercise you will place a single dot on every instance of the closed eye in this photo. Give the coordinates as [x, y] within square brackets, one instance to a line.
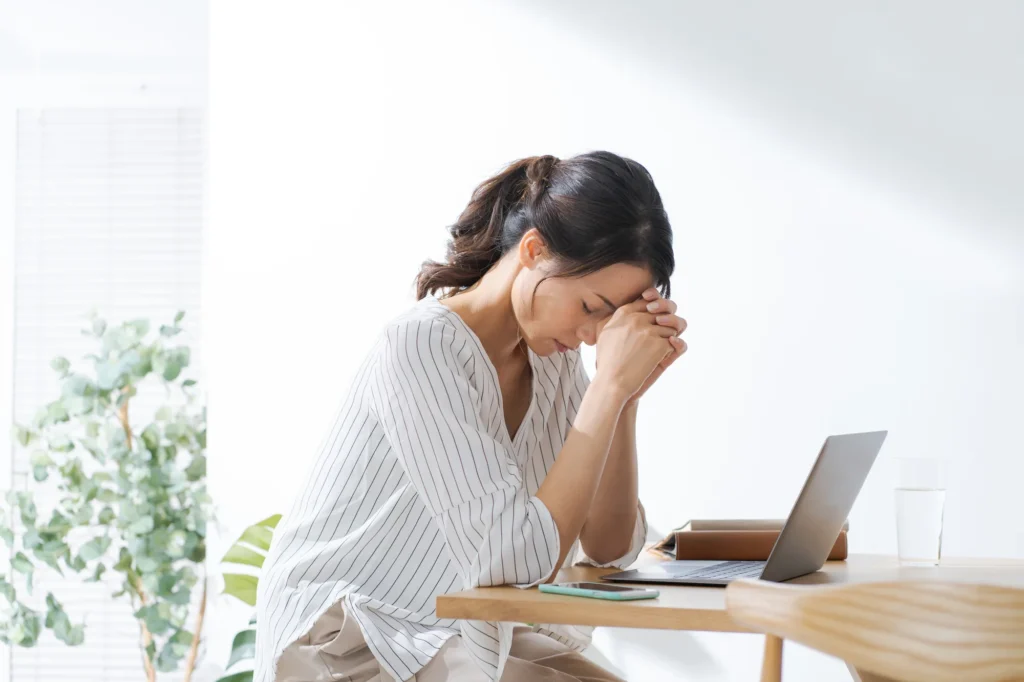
[586, 309]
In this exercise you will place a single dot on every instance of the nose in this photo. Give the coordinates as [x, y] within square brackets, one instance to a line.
[587, 334]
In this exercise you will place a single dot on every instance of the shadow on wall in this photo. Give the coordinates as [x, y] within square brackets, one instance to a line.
[922, 95]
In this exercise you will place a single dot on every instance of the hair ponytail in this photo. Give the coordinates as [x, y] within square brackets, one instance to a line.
[488, 226]
[593, 210]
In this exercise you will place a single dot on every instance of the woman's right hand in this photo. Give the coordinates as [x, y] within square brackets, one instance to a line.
[630, 345]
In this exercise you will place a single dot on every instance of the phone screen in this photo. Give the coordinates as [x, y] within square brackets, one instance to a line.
[602, 587]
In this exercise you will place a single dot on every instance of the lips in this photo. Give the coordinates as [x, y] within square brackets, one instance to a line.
[561, 348]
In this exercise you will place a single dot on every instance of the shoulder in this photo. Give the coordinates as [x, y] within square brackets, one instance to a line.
[423, 336]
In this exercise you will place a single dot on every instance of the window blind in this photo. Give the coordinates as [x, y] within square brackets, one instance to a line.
[109, 213]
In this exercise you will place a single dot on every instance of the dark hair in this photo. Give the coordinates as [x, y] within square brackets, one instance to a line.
[593, 210]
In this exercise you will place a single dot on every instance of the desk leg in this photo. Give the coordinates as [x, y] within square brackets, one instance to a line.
[771, 665]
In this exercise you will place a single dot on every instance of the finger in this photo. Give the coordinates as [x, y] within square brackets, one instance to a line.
[679, 345]
[665, 331]
[662, 305]
[651, 294]
[673, 321]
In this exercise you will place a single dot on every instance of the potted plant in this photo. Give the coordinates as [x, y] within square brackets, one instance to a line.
[131, 498]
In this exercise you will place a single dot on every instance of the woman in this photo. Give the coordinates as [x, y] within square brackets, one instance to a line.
[472, 449]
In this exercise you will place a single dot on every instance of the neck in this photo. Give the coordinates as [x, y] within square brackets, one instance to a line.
[487, 308]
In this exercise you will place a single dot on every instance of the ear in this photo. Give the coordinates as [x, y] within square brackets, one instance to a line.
[532, 249]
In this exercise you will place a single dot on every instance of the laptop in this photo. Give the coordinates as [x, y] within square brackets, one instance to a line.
[808, 534]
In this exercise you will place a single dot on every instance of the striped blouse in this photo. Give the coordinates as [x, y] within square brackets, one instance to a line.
[420, 491]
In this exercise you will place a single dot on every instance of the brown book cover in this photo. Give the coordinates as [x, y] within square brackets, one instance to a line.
[732, 540]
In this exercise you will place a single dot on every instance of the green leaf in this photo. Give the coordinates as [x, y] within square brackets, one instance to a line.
[188, 383]
[23, 436]
[41, 458]
[142, 526]
[241, 587]
[31, 539]
[163, 414]
[60, 365]
[56, 413]
[252, 621]
[243, 648]
[40, 474]
[78, 385]
[197, 468]
[141, 327]
[246, 676]
[179, 317]
[7, 536]
[7, 590]
[155, 621]
[98, 327]
[258, 536]
[74, 635]
[22, 564]
[94, 549]
[97, 574]
[124, 560]
[172, 369]
[106, 516]
[151, 438]
[240, 554]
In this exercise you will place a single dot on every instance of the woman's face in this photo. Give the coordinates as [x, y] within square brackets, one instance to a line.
[566, 311]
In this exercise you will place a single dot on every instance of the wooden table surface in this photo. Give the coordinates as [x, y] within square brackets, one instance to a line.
[695, 608]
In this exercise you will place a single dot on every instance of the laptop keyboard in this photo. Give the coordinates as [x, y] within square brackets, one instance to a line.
[725, 571]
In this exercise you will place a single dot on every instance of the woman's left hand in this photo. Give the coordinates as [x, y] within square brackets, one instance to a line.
[665, 315]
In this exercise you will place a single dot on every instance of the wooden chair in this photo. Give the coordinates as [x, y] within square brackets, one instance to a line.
[905, 631]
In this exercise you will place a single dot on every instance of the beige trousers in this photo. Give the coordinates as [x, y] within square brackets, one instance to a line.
[335, 651]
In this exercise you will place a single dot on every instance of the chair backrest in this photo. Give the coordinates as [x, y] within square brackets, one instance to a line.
[912, 631]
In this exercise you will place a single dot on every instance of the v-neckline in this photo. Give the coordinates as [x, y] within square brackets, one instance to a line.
[531, 359]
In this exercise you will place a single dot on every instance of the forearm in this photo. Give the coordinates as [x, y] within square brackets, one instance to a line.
[571, 484]
[608, 530]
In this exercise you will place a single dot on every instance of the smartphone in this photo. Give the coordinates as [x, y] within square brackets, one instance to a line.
[600, 591]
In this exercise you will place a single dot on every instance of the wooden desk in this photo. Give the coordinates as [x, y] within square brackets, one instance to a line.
[695, 608]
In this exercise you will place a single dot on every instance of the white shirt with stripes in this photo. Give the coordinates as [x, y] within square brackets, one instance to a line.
[420, 491]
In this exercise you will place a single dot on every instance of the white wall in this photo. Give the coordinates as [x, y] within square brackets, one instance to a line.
[848, 235]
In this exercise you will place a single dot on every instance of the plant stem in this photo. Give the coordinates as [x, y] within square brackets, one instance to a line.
[123, 417]
[147, 637]
[193, 652]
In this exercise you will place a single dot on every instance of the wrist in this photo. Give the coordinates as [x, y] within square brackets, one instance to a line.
[612, 390]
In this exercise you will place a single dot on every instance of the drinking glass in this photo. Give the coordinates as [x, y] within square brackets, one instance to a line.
[920, 500]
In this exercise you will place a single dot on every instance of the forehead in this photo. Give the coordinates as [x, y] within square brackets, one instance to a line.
[619, 283]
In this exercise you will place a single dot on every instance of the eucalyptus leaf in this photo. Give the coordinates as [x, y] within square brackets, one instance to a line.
[23, 436]
[7, 590]
[31, 539]
[22, 564]
[60, 365]
[97, 573]
[94, 548]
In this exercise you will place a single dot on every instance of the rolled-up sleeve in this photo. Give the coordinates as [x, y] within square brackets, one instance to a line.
[578, 388]
[430, 412]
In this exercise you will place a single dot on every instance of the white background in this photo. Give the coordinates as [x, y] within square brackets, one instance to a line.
[844, 186]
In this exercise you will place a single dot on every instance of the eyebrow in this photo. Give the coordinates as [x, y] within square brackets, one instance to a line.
[607, 302]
